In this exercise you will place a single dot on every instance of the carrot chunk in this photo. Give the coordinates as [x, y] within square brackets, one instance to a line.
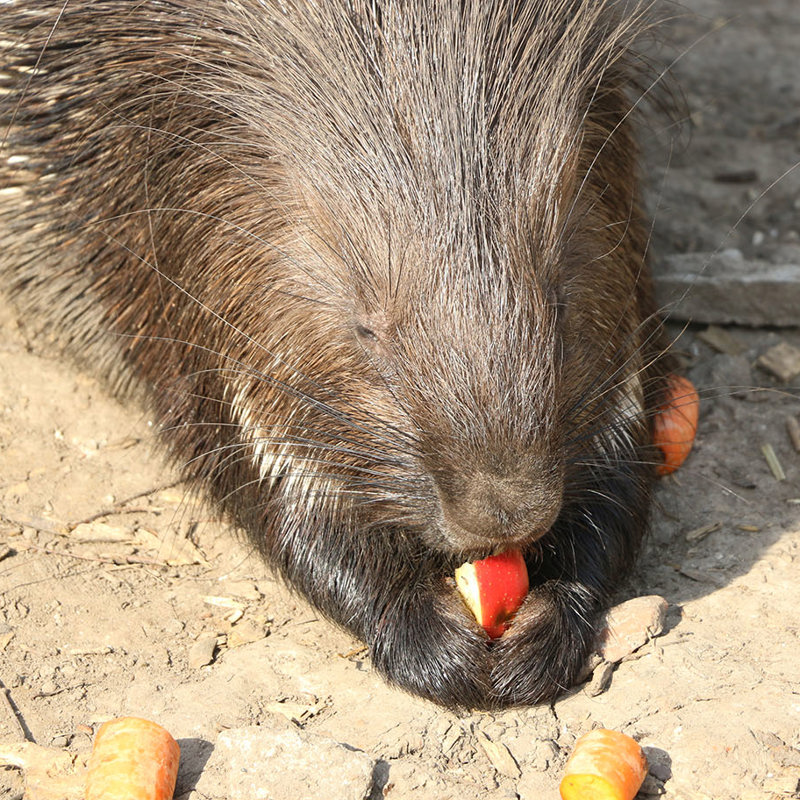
[675, 423]
[605, 765]
[132, 759]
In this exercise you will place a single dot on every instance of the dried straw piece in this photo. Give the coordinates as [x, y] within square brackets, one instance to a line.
[793, 427]
[773, 463]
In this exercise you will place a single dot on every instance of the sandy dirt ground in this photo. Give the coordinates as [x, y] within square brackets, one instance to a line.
[112, 579]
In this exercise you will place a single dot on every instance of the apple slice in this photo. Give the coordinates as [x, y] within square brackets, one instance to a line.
[493, 589]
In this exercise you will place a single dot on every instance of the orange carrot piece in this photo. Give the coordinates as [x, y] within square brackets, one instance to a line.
[675, 423]
[132, 759]
[605, 765]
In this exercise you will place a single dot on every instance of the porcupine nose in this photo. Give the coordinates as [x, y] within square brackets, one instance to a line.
[486, 509]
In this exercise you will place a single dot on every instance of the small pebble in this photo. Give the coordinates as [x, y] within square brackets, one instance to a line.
[601, 679]
[782, 361]
[499, 755]
[546, 751]
[201, 653]
[48, 688]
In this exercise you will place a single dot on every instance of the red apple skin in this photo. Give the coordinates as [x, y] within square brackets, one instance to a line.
[502, 582]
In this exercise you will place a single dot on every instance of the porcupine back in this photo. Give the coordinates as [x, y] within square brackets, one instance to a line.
[373, 263]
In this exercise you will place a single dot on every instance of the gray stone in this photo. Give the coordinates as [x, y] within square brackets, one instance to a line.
[724, 376]
[279, 761]
[631, 624]
[726, 288]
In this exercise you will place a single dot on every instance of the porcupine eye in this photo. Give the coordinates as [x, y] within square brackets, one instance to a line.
[373, 333]
[373, 342]
[370, 342]
[366, 336]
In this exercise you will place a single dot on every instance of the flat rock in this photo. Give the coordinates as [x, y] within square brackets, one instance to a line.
[725, 287]
[499, 755]
[782, 361]
[630, 625]
[279, 761]
[722, 340]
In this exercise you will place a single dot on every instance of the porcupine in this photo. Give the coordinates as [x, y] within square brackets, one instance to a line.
[380, 271]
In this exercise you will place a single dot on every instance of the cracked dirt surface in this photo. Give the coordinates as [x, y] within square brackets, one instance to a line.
[105, 620]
